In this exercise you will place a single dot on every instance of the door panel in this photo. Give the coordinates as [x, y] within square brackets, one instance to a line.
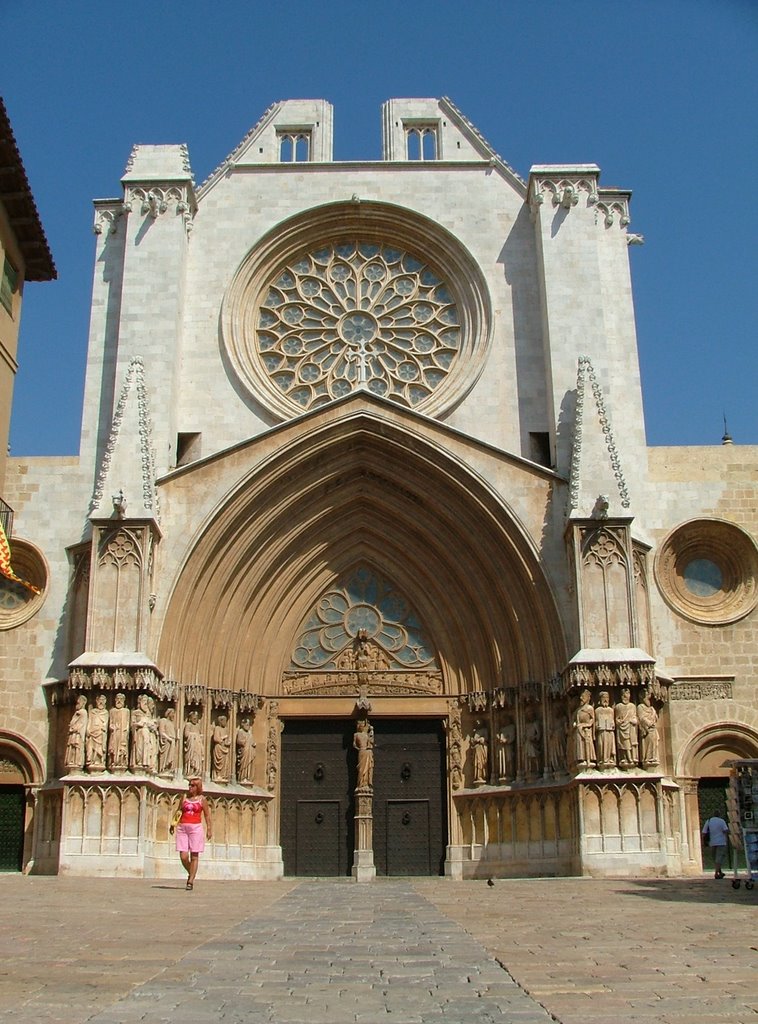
[410, 828]
[11, 827]
[317, 811]
[408, 847]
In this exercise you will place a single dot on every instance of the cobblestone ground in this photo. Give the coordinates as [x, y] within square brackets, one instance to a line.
[328, 952]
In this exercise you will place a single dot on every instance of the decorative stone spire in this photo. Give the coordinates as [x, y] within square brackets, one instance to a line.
[126, 481]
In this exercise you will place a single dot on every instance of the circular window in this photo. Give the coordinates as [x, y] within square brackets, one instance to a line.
[707, 571]
[18, 601]
[357, 296]
[357, 314]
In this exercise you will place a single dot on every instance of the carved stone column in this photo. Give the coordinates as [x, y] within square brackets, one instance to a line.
[364, 869]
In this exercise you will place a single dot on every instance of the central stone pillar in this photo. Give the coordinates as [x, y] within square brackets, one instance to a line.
[364, 869]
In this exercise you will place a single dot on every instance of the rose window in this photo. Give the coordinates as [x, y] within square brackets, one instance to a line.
[357, 314]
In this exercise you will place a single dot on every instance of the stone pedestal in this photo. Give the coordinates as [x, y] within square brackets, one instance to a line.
[364, 869]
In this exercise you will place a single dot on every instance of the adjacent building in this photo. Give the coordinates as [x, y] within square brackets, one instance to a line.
[365, 531]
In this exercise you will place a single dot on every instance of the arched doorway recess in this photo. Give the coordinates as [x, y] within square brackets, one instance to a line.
[360, 491]
[21, 772]
[705, 777]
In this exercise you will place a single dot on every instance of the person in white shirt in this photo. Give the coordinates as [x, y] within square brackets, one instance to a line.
[717, 831]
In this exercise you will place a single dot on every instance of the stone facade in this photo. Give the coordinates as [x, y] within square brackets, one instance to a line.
[364, 443]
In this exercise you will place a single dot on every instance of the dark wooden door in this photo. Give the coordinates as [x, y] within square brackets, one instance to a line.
[410, 824]
[11, 827]
[317, 810]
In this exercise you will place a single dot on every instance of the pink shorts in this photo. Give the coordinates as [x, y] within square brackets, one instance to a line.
[190, 838]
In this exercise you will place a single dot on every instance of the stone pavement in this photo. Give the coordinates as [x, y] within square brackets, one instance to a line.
[109, 951]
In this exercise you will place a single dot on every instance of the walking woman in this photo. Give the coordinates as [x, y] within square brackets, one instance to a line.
[190, 837]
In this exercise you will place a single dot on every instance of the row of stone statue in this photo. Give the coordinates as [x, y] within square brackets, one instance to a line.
[622, 736]
[604, 736]
[119, 740]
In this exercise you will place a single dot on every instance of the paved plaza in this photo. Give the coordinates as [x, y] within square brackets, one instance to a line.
[575, 951]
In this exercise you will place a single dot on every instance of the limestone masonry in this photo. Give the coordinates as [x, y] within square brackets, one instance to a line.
[364, 530]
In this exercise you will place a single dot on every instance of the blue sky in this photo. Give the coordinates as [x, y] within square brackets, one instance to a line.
[662, 94]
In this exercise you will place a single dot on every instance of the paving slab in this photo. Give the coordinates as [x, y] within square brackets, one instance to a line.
[97, 951]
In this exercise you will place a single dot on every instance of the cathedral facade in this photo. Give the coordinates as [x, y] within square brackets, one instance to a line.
[365, 532]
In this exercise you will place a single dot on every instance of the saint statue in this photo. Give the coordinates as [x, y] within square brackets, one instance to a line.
[167, 743]
[363, 741]
[584, 728]
[118, 735]
[221, 751]
[245, 745]
[647, 723]
[193, 747]
[605, 730]
[77, 729]
[480, 754]
[626, 731]
[97, 732]
[506, 751]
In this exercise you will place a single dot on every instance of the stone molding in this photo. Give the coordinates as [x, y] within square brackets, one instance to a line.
[346, 683]
[155, 200]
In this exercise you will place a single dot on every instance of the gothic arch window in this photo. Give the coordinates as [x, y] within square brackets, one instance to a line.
[294, 146]
[362, 608]
[422, 141]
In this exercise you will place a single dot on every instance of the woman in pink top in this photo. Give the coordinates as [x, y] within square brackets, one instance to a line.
[190, 837]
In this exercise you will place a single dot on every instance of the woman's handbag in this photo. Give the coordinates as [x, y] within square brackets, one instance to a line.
[175, 820]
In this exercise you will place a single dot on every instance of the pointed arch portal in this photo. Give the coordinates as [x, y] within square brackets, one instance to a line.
[361, 491]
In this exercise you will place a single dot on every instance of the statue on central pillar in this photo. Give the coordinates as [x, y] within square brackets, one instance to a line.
[363, 741]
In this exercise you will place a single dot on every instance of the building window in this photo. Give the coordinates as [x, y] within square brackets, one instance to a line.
[294, 146]
[707, 571]
[357, 314]
[422, 142]
[9, 285]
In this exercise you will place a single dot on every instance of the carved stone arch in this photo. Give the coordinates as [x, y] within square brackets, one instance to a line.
[18, 751]
[706, 751]
[361, 488]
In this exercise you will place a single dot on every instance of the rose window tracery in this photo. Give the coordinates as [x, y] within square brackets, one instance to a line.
[364, 606]
[357, 314]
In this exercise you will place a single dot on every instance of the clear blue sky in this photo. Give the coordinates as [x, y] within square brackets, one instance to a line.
[662, 94]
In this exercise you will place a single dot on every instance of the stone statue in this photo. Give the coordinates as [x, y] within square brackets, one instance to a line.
[533, 746]
[245, 751]
[556, 741]
[605, 731]
[363, 741]
[647, 723]
[167, 743]
[506, 751]
[118, 735]
[77, 729]
[193, 747]
[144, 737]
[480, 754]
[221, 751]
[626, 731]
[584, 728]
[96, 736]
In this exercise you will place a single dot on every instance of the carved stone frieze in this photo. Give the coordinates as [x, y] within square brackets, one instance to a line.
[701, 689]
[352, 681]
[107, 218]
[156, 200]
[601, 675]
